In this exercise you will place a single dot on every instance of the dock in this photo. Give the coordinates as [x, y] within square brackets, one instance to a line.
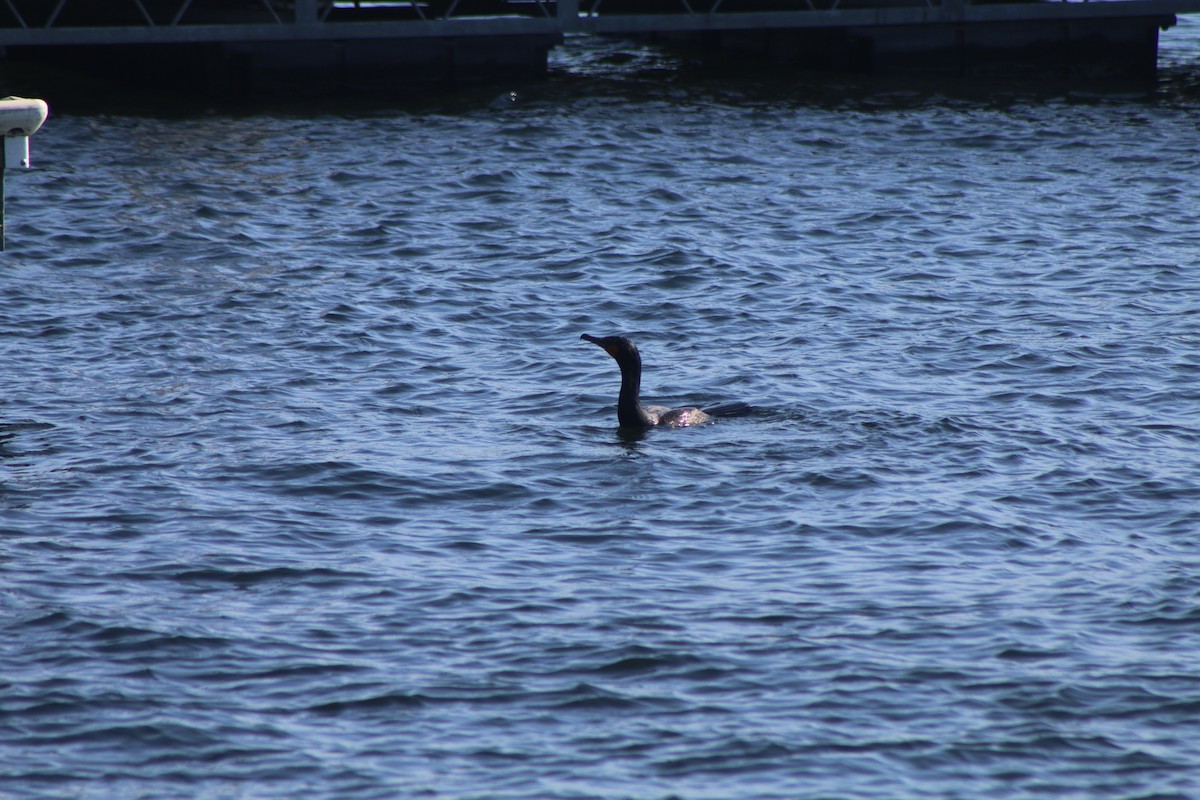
[236, 45]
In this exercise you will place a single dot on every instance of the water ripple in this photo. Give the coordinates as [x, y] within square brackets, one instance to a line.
[307, 484]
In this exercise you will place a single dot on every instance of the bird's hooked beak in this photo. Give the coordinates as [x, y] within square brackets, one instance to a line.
[600, 343]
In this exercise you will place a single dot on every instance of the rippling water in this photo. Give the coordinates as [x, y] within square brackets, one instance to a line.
[308, 486]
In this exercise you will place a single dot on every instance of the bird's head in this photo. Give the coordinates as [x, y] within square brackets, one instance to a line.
[621, 348]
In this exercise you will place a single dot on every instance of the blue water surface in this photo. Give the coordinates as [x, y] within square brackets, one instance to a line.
[308, 486]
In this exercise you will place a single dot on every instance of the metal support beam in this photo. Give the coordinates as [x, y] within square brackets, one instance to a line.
[568, 15]
[306, 12]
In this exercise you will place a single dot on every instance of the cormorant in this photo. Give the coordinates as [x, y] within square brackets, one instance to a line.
[630, 411]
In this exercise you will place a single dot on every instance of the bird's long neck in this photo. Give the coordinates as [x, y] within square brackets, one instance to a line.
[630, 413]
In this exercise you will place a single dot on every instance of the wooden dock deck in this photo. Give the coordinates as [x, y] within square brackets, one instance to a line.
[342, 41]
